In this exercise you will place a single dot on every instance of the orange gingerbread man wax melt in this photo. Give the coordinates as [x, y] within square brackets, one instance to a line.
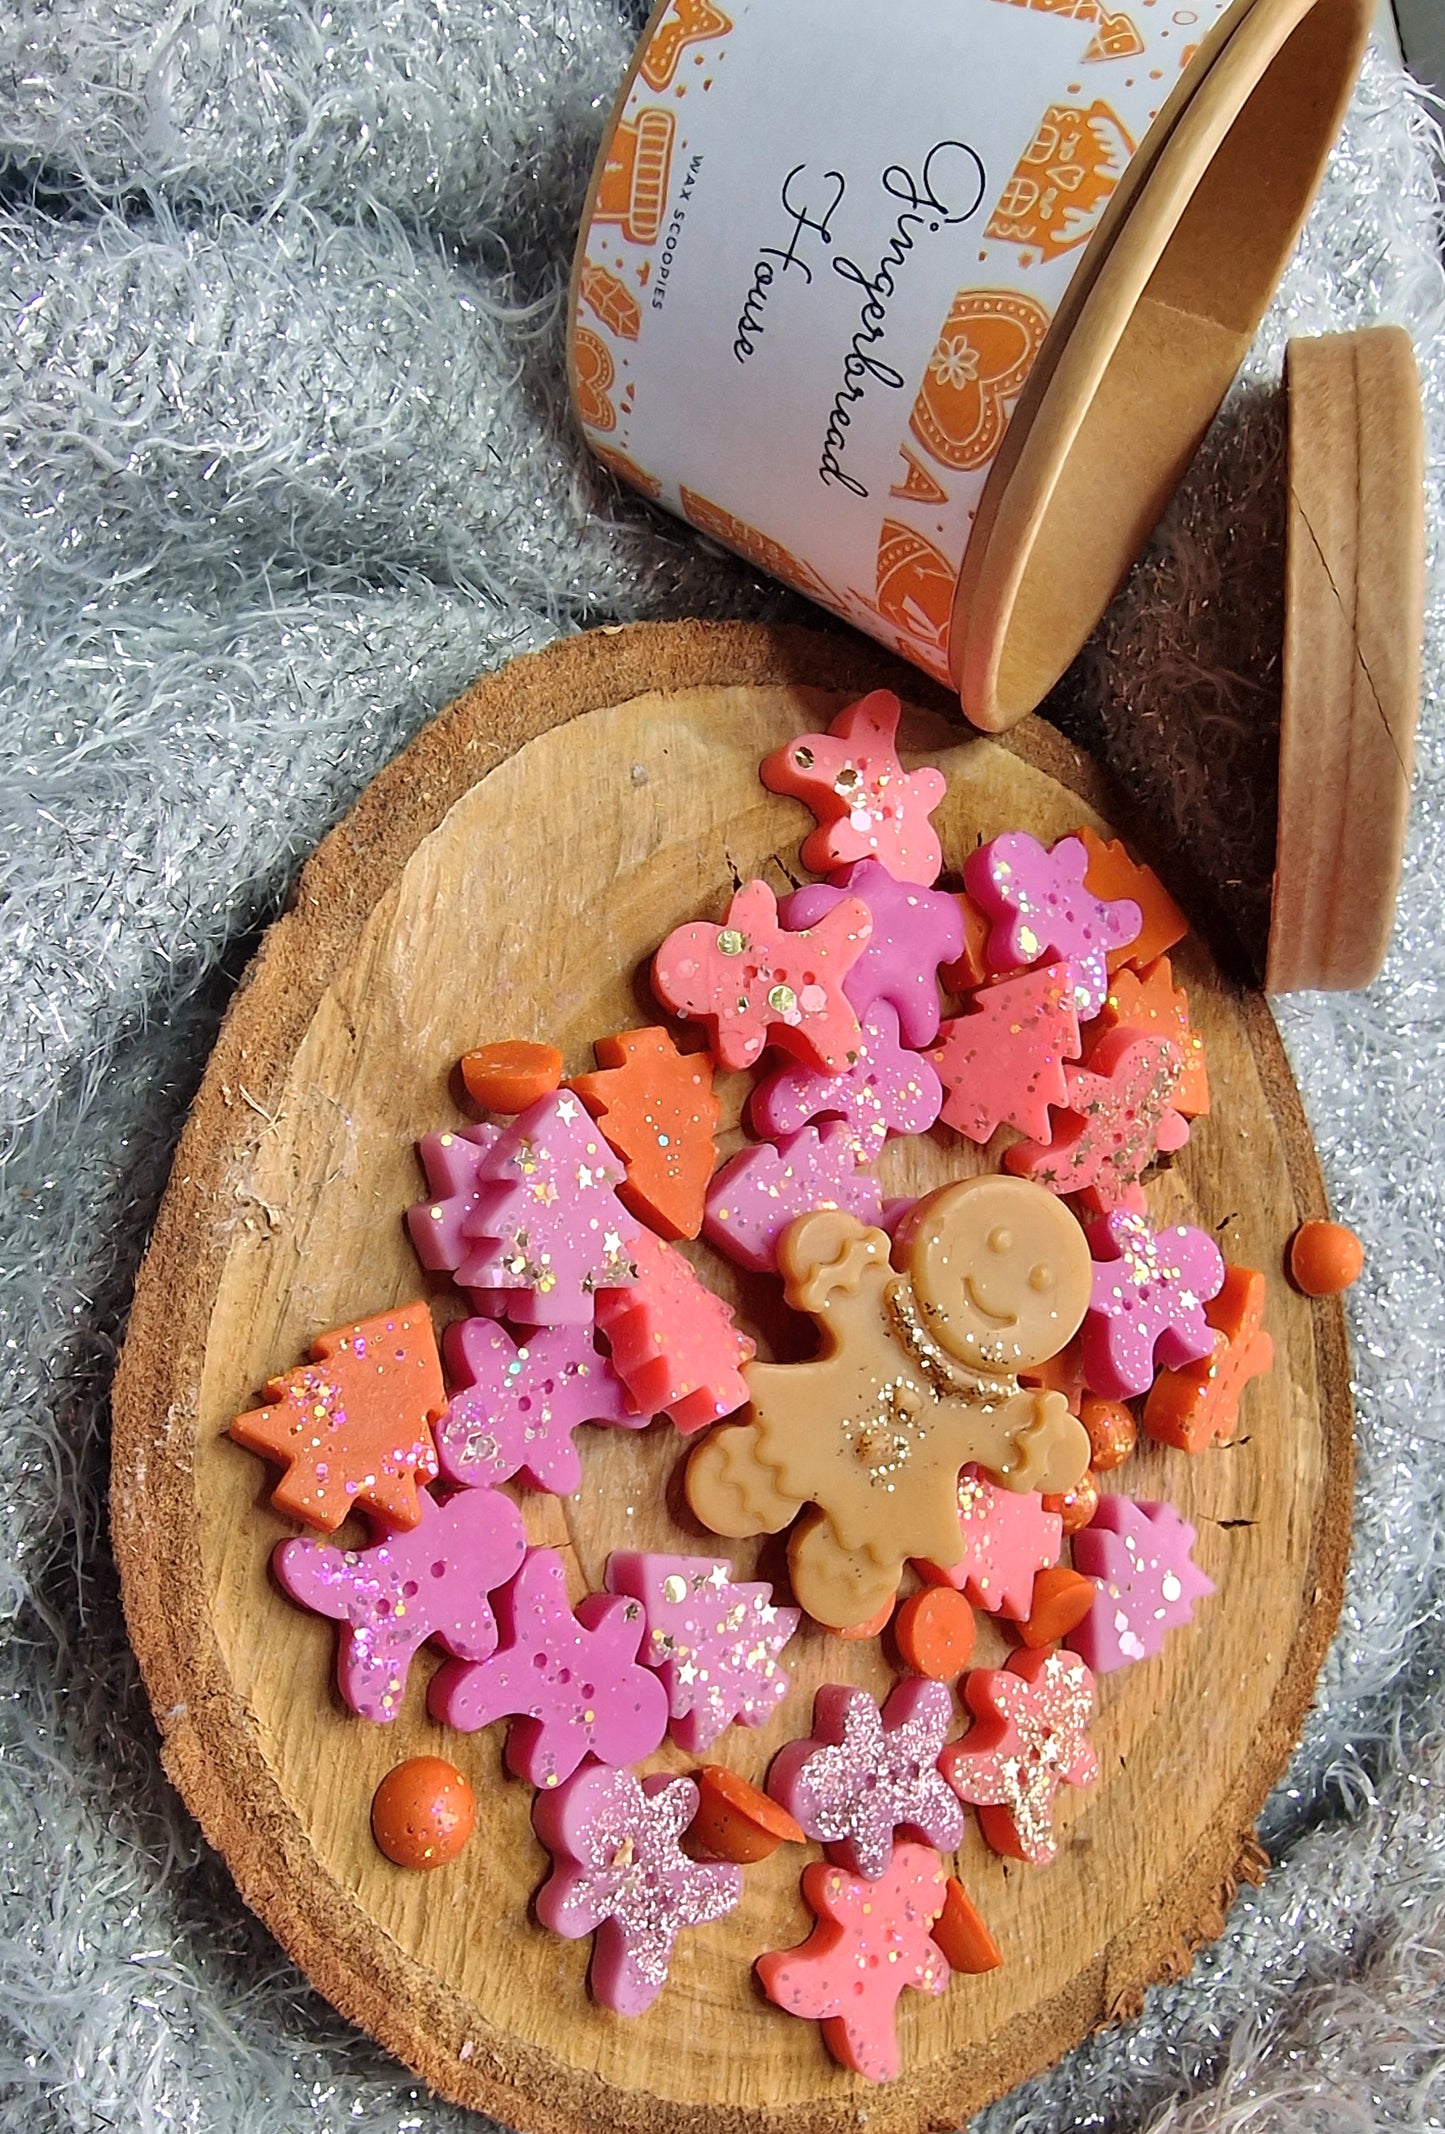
[917, 1377]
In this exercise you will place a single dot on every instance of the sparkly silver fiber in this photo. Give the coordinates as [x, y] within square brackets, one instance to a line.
[345, 488]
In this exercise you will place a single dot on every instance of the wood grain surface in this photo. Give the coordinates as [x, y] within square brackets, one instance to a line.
[1354, 608]
[508, 876]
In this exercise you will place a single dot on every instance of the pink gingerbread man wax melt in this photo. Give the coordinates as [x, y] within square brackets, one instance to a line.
[1041, 909]
[619, 1872]
[872, 1940]
[754, 981]
[571, 1682]
[863, 1774]
[516, 1405]
[867, 805]
[1147, 1300]
[433, 1581]
[914, 931]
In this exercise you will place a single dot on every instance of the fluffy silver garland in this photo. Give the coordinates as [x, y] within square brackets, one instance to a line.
[285, 464]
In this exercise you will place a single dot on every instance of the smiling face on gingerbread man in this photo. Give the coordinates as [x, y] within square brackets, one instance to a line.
[1001, 1278]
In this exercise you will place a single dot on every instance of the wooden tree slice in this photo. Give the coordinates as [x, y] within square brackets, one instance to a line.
[508, 876]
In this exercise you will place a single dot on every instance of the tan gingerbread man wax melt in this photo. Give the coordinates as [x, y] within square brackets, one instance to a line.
[917, 1377]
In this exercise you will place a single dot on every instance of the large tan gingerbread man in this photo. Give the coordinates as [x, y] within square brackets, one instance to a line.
[917, 1376]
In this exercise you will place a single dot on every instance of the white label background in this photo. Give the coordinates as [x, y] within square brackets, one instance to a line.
[851, 96]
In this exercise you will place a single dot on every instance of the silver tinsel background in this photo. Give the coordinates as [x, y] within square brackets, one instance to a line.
[286, 464]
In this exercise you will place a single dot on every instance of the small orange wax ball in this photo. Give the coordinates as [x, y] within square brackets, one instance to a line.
[935, 1632]
[1112, 1432]
[1079, 1506]
[423, 1812]
[511, 1075]
[1325, 1258]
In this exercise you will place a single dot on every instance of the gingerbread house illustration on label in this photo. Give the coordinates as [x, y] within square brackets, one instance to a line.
[984, 353]
[633, 191]
[1063, 180]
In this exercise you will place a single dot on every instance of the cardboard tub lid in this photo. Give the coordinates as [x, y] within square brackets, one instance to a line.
[1354, 600]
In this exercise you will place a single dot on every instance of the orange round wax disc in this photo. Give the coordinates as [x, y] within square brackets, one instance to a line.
[1079, 1506]
[962, 1935]
[422, 1813]
[1061, 1600]
[873, 1628]
[512, 1074]
[935, 1632]
[1325, 1258]
[737, 1821]
[1113, 1433]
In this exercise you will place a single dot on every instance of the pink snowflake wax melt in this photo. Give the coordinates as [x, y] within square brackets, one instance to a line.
[1006, 1538]
[1029, 1737]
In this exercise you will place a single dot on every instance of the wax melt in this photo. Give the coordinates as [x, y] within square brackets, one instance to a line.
[763, 1189]
[1118, 1114]
[867, 805]
[353, 1426]
[755, 981]
[913, 932]
[713, 1640]
[1113, 875]
[1029, 1737]
[546, 1225]
[862, 1775]
[675, 1344]
[915, 1379]
[620, 1873]
[657, 1109]
[423, 1813]
[571, 1682]
[1002, 1064]
[888, 1090]
[432, 1582]
[1147, 1303]
[1148, 1001]
[516, 1404]
[1140, 1557]
[1005, 1537]
[1198, 1404]
[872, 1940]
[1041, 910]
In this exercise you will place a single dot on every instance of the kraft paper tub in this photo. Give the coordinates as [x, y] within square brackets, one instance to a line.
[923, 306]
